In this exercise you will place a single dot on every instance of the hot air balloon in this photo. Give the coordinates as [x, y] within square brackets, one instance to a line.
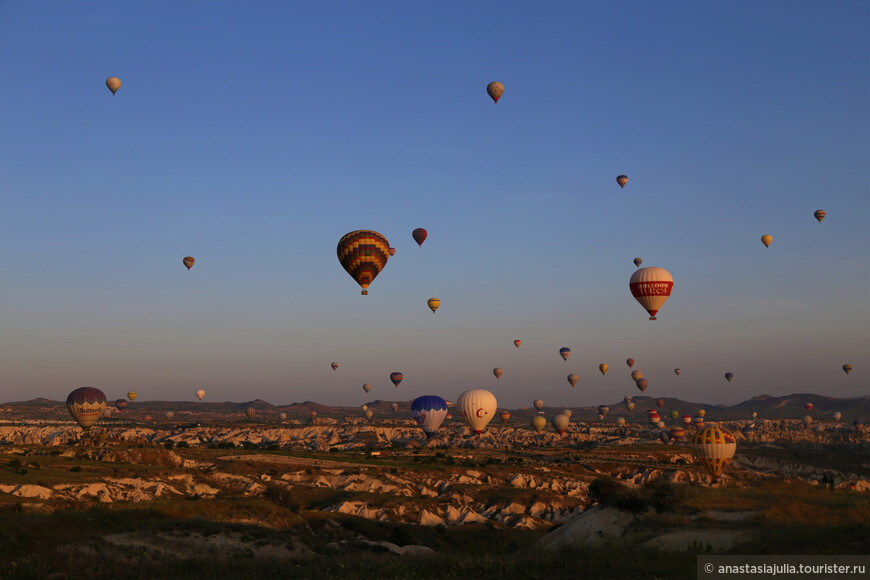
[660, 403]
[642, 384]
[858, 425]
[627, 399]
[664, 437]
[687, 420]
[107, 413]
[808, 419]
[497, 372]
[698, 422]
[113, 83]
[538, 423]
[334, 365]
[560, 423]
[621, 180]
[567, 412]
[369, 414]
[363, 254]
[365, 407]
[392, 251]
[539, 404]
[396, 378]
[754, 414]
[169, 415]
[837, 416]
[729, 376]
[429, 412]
[132, 395]
[677, 433]
[200, 394]
[394, 407]
[654, 417]
[313, 416]
[367, 387]
[565, 352]
[677, 372]
[477, 407]
[766, 240]
[419, 236]
[638, 262]
[572, 379]
[188, 262]
[629, 362]
[651, 287]
[629, 406]
[495, 90]
[282, 416]
[847, 368]
[147, 417]
[819, 214]
[702, 412]
[517, 343]
[121, 404]
[603, 410]
[433, 303]
[808, 406]
[636, 375]
[504, 416]
[675, 415]
[86, 404]
[250, 412]
[603, 368]
[620, 421]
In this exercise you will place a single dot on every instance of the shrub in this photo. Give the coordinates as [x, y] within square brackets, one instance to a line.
[629, 499]
[169, 444]
[75, 468]
[283, 496]
[666, 495]
[183, 445]
[602, 488]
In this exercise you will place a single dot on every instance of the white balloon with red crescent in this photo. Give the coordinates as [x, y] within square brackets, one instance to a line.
[477, 407]
[651, 287]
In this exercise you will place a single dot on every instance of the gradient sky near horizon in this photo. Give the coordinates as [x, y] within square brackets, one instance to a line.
[253, 135]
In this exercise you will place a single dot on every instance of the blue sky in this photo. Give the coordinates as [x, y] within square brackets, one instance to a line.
[252, 136]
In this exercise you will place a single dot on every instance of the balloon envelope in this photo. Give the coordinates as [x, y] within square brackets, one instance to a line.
[86, 405]
[641, 384]
[419, 236]
[495, 90]
[282, 416]
[394, 406]
[199, 394]
[538, 423]
[121, 404]
[603, 410]
[660, 403]
[169, 415]
[250, 412]
[629, 362]
[819, 214]
[504, 416]
[629, 406]
[766, 240]
[367, 387]
[113, 84]
[392, 251]
[564, 352]
[396, 378]
[497, 372]
[622, 180]
[729, 376]
[677, 372]
[837, 416]
[363, 254]
[429, 412]
[573, 379]
[132, 395]
[188, 262]
[847, 368]
[638, 262]
[369, 414]
[636, 375]
[433, 303]
[477, 407]
[620, 421]
[651, 287]
[603, 368]
[560, 423]
[517, 343]
[334, 365]
[539, 404]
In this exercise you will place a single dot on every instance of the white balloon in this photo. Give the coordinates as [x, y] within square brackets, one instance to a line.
[477, 407]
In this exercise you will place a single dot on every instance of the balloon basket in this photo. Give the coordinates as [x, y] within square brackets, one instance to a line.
[364, 292]
[652, 318]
